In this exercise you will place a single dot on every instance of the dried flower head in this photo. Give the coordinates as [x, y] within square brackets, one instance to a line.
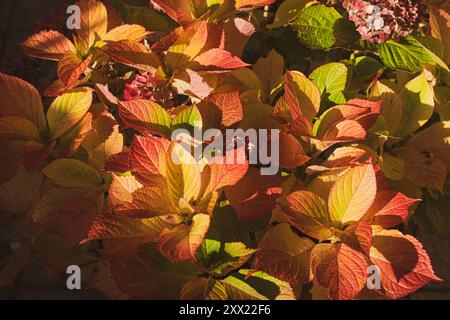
[382, 20]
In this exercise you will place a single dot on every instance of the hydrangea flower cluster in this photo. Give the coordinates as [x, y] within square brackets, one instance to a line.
[382, 20]
[144, 85]
[139, 87]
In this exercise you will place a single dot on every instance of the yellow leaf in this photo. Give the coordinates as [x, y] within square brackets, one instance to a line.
[183, 174]
[392, 167]
[302, 95]
[72, 173]
[67, 110]
[352, 195]
[418, 97]
[132, 32]
[392, 107]
[94, 21]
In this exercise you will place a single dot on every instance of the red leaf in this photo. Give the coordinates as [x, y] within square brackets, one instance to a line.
[404, 264]
[358, 236]
[389, 209]
[118, 162]
[148, 159]
[220, 58]
[250, 4]
[340, 269]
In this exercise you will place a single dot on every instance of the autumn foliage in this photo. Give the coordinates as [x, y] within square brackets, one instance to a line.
[88, 177]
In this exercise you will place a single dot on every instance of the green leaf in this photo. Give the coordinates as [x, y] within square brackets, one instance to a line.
[72, 173]
[321, 27]
[189, 119]
[442, 96]
[67, 110]
[434, 49]
[286, 12]
[332, 80]
[366, 68]
[418, 97]
[433, 214]
[408, 54]
[392, 167]
[222, 258]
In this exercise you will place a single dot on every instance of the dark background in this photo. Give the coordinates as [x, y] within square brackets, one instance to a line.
[18, 20]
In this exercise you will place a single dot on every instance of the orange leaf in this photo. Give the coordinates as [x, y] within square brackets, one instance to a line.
[220, 174]
[229, 102]
[145, 116]
[285, 255]
[254, 195]
[70, 68]
[21, 99]
[48, 44]
[182, 242]
[308, 212]
[133, 54]
[149, 202]
[292, 154]
[179, 10]
[124, 233]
